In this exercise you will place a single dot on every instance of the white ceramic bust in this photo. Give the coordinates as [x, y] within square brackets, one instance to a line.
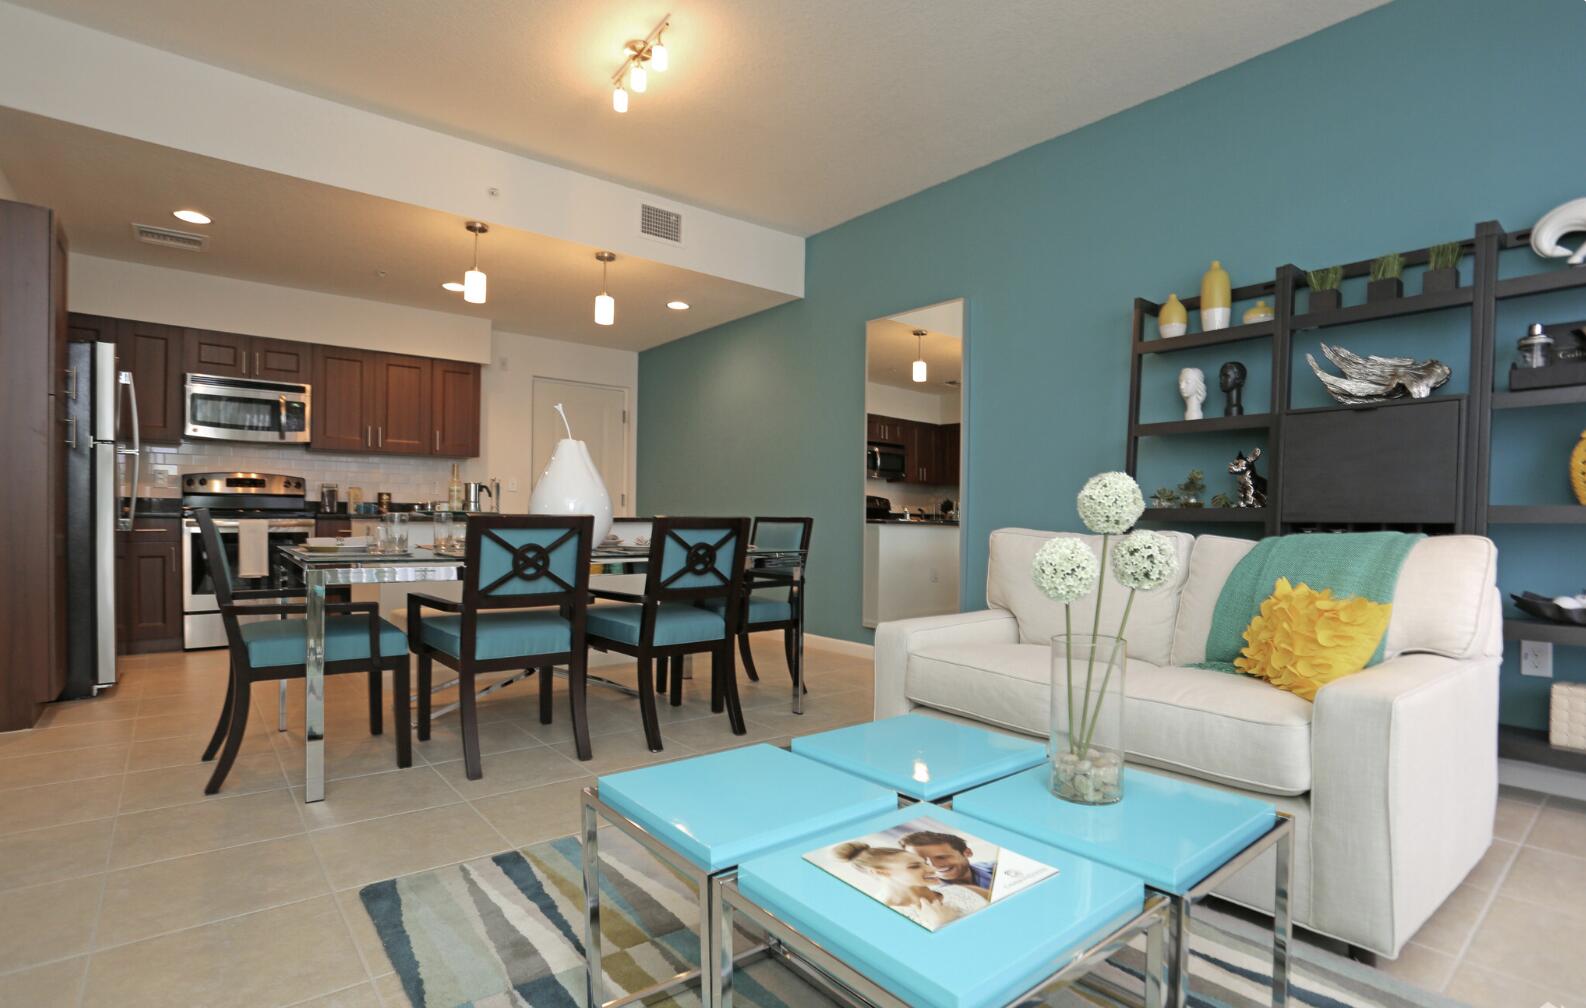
[1192, 386]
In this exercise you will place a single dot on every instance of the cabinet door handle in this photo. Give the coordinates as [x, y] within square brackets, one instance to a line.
[368, 436]
[257, 364]
[71, 423]
[380, 432]
[173, 559]
[71, 383]
[437, 440]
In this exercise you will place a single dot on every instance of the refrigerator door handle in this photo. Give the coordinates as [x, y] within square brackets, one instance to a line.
[136, 451]
[104, 537]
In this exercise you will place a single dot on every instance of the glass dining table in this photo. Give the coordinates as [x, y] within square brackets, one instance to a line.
[766, 568]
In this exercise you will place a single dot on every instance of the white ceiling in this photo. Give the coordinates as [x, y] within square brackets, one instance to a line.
[276, 229]
[797, 115]
[890, 353]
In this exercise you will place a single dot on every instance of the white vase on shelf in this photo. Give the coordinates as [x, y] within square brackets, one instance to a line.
[571, 485]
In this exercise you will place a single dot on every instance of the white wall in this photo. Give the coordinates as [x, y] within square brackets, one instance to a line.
[906, 404]
[204, 301]
[507, 434]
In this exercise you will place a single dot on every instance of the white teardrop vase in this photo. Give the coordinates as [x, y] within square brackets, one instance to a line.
[571, 485]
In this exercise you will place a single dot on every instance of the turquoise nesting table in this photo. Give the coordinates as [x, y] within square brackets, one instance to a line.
[703, 816]
[1183, 839]
[922, 758]
[1005, 953]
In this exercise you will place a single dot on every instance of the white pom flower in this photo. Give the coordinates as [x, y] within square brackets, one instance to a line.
[1065, 569]
[1110, 502]
[1144, 560]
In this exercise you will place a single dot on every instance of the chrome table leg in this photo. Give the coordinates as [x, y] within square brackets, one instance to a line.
[314, 687]
[1157, 986]
[1283, 920]
[716, 958]
[280, 703]
[594, 972]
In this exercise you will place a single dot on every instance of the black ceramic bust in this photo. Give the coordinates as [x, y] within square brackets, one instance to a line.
[1231, 379]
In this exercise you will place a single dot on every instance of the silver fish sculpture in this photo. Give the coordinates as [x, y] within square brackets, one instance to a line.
[1373, 379]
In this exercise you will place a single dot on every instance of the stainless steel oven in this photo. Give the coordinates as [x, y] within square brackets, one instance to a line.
[201, 622]
[246, 409]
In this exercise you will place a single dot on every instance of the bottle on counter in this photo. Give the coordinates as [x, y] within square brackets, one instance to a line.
[454, 490]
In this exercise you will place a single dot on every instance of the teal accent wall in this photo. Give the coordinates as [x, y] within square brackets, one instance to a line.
[1399, 128]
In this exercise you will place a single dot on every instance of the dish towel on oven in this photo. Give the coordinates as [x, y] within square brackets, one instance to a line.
[253, 548]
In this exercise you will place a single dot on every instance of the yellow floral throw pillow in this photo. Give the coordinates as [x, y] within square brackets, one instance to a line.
[1303, 639]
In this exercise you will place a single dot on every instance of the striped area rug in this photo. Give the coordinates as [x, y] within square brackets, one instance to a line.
[505, 932]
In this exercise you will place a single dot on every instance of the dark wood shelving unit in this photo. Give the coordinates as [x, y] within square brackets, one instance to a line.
[1205, 514]
[1546, 631]
[1563, 395]
[1250, 421]
[1530, 745]
[1536, 514]
[1540, 283]
[1217, 337]
[1413, 304]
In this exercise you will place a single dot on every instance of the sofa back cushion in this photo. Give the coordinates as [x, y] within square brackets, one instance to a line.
[1443, 603]
[1009, 586]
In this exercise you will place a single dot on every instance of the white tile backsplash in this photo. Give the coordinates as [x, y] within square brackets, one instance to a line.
[405, 478]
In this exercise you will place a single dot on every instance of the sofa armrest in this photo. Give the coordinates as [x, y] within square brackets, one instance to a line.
[1403, 792]
[896, 639]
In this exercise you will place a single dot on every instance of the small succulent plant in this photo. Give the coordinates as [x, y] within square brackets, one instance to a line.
[1326, 278]
[1444, 256]
[1388, 267]
[1194, 484]
[1222, 500]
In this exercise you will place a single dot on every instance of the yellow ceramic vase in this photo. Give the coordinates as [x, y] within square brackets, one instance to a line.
[1216, 298]
[1173, 318]
[1577, 469]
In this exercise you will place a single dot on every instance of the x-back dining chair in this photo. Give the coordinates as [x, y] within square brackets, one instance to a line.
[525, 594]
[356, 640]
[692, 561]
[774, 599]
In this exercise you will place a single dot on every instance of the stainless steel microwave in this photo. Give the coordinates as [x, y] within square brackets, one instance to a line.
[246, 409]
[884, 461]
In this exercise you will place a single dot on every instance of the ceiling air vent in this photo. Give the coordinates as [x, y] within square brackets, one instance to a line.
[663, 225]
[169, 238]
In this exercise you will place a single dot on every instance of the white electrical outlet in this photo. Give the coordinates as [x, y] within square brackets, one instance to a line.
[512, 486]
[1536, 659]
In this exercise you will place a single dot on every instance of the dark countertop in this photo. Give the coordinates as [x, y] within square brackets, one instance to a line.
[951, 523]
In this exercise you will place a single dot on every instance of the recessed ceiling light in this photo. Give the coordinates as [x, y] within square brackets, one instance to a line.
[677, 305]
[191, 216]
[453, 286]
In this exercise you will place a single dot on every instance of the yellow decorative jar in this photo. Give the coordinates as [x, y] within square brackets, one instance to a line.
[1216, 298]
[1258, 312]
[1173, 318]
[1577, 469]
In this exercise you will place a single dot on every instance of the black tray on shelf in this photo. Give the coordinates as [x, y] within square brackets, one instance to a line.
[1543, 607]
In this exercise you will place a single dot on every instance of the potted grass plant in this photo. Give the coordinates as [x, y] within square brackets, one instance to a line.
[1324, 288]
[1442, 268]
[1387, 278]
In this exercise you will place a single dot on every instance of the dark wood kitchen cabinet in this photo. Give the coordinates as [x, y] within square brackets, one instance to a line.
[888, 429]
[343, 387]
[454, 408]
[149, 586]
[234, 355]
[153, 353]
[400, 410]
[282, 360]
[921, 455]
[950, 449]
[33, 383]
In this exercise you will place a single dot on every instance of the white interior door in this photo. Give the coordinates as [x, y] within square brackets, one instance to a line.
[598, 415]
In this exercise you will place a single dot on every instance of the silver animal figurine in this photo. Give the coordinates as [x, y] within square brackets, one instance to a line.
[1252, 485]
[1373, 379]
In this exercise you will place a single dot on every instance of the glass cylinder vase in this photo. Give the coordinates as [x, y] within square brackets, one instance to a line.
[1085, 742]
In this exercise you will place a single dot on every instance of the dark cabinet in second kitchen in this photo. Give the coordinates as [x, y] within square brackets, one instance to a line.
[149, 586]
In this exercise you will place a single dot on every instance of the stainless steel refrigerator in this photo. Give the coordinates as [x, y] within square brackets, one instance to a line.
[98, 446]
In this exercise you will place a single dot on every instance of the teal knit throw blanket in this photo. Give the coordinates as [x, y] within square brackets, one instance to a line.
[1364, 564]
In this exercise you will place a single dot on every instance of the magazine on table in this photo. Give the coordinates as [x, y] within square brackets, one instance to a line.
[929, 872]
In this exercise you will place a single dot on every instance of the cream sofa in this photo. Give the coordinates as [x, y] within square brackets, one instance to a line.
[1391, 775]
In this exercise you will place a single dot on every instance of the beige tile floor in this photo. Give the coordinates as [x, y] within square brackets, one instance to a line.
[121, 884]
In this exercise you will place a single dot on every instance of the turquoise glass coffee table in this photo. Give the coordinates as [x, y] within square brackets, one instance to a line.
[702, 817]
[859, 949]
[1183, 839]
[922, 758]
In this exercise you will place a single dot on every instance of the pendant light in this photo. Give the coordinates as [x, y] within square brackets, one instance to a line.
[919, 356]
[474, 279]
[619, 98]
[605, 304]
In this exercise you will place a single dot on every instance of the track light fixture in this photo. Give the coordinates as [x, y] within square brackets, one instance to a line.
[605, 304]
[640, 56]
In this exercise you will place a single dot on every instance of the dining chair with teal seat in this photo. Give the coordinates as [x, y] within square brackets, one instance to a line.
[693, 562]
[264, 650]
[525, 593]
[773, 596]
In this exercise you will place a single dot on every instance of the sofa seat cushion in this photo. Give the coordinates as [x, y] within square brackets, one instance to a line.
[1226, 728]
[510, 634]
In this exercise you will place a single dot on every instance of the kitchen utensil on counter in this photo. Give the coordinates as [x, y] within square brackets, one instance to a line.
[472, 494]
[383, 501]
[354, 498]
[327, 497]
